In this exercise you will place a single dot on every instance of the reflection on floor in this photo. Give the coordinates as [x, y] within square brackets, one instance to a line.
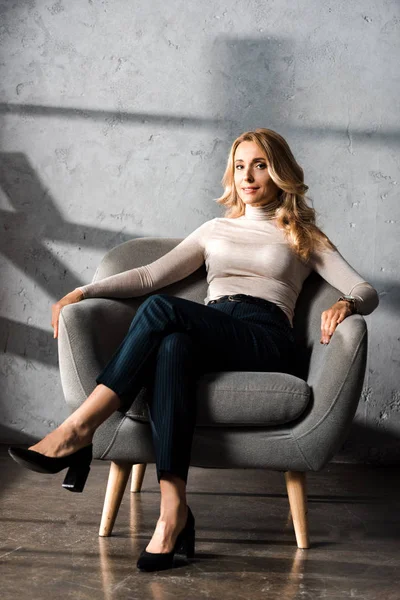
[245, 543]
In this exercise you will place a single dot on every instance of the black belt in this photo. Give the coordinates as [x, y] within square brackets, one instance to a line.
[252, 300]
[245, 298]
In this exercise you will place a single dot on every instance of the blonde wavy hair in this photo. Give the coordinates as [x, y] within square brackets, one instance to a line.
[293, 215]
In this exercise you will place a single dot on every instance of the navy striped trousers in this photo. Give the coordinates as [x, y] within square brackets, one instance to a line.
[172, 341]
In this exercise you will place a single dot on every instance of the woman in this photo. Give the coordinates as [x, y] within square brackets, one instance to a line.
[257, 258]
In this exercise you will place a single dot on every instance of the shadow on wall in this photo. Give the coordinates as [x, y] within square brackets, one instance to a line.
[35, 220]
[110, 116]
[255, 116]
[10, 474]
[9, 436]
[366, 444]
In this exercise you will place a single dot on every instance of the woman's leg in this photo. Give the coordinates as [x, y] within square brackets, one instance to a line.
[172, 413]
[119, 382]
[78, 429]
[172, 408]
[126, 371]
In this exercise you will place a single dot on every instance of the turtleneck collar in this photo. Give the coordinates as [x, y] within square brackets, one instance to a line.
[261, 213]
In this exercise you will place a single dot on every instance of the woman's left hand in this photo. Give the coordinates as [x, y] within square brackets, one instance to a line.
[331, 318]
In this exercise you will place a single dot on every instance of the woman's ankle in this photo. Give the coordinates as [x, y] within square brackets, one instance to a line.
[173, 516]
[173, 494]
[173, 508]
[76, 434]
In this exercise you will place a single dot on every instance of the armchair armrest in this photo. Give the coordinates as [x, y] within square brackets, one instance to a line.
[89, 333]
[336, 378]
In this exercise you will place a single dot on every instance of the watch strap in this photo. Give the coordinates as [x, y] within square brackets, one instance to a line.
[351, 300]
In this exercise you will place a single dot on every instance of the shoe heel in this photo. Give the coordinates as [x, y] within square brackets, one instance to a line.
[75, 478]
[187, 546]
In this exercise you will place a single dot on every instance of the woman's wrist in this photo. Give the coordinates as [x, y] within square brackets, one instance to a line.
[77, 294]
[350, 303]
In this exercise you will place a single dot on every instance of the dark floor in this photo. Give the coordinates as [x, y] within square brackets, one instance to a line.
[245, 544]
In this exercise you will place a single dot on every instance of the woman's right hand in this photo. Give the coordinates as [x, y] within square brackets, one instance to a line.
[71, 298]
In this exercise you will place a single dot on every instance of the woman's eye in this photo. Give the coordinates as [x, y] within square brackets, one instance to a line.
[258, 165]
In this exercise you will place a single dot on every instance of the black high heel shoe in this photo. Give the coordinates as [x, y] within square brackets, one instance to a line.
[78, 463]
[150, 561]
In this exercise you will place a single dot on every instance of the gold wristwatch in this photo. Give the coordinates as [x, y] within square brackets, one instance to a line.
[352, 301]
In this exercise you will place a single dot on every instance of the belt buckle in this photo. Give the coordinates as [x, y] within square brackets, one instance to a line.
[232, 299]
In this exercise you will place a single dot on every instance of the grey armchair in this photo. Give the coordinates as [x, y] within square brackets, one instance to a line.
[292, 423]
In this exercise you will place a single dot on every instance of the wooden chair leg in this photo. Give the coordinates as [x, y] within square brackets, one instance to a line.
[138, 472]
[297, 493]
[117, 480]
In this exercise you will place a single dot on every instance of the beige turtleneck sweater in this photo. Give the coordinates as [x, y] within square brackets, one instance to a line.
[246, 255]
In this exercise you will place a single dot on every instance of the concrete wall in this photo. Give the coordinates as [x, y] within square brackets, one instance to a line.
[116, 121]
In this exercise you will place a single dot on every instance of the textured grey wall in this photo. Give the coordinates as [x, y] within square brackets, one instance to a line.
[117, 118]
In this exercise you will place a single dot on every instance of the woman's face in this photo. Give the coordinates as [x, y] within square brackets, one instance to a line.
[252, 181]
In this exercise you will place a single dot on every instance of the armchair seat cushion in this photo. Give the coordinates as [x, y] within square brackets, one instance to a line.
[240, 398]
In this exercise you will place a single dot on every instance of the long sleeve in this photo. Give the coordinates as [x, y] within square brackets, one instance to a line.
[331, 265]
[177, 264]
